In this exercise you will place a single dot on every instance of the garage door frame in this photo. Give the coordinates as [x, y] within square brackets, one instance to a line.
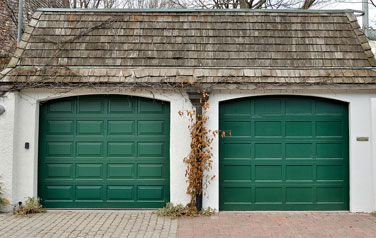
[296, 206]
[117, 204]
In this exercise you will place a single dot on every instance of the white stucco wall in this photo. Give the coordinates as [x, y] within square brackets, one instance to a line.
[372, 43]
[373, 142]
[362, 196]
[19, 124]
[7, 144]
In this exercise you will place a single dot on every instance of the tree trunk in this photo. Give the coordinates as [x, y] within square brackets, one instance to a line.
[243, 4]
[308, 3]
[66, 3]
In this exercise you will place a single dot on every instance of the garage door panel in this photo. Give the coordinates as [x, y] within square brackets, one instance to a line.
[268, 151]
[298, 128]
[299, 107]
[60, 127]
[90, 149]
[237, 195]
[268, 195]
[120, 171]
[59, 171]
[92, 193]
[238, 108]
[329, 129]
[299, 151]
[90, 127]
[121, 149]
[268, 129]
[330, 173]
[150, 149]
[237, 150]
[151, 128]
[121, 128]
[104, 152]
[120, 193]
[237, 128]
[151, 106]
[236, 172]
[267, 106]
[299, 173]
[91, 105]
[59, 192]
[121, 106]
[150, 193]
[296, 157]
[60, 149]
[61, 107]
[330, 195]
[299, 195]
[268, 173]
[329, 107]
[150, 171]
[89, 171]
[329, 150]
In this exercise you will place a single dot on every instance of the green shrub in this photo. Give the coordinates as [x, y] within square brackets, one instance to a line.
[31, 206]
[179, 210]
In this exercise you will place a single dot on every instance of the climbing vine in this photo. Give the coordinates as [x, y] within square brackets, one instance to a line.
[199, 161]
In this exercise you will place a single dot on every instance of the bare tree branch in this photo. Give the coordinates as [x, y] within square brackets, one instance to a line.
[13, 14]
[259, 4]
[373, 3]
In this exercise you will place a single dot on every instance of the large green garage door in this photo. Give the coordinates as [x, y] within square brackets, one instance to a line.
[104, 152]
[285, 153]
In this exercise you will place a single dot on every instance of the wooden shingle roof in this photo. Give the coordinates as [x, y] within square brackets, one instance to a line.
[215, 46]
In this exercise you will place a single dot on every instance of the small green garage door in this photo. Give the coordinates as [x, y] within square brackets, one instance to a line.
[104, 152]
[285, 153]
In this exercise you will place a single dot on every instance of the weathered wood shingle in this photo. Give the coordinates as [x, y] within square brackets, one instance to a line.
[317, 47]
[194, 39]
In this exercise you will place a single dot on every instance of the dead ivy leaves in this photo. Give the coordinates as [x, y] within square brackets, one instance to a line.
[199, 161]
[175, 211]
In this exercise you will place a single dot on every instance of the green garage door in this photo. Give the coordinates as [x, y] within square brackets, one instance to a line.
[285, 153]
[104, 152]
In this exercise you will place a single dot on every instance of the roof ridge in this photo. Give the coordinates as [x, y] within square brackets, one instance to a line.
[199, 10]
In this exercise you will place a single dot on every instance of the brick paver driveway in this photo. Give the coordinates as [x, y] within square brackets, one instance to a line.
[279, 224]
[99, 223]
[60, 224]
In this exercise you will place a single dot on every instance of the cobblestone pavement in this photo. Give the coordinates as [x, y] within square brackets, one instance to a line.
[106, 224]
[279, 225]
[94, 223]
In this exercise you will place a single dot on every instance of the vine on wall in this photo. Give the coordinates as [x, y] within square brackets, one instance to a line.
[199, 161]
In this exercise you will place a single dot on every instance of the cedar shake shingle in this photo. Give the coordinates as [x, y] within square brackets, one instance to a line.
[194, 39]
[320, 47]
